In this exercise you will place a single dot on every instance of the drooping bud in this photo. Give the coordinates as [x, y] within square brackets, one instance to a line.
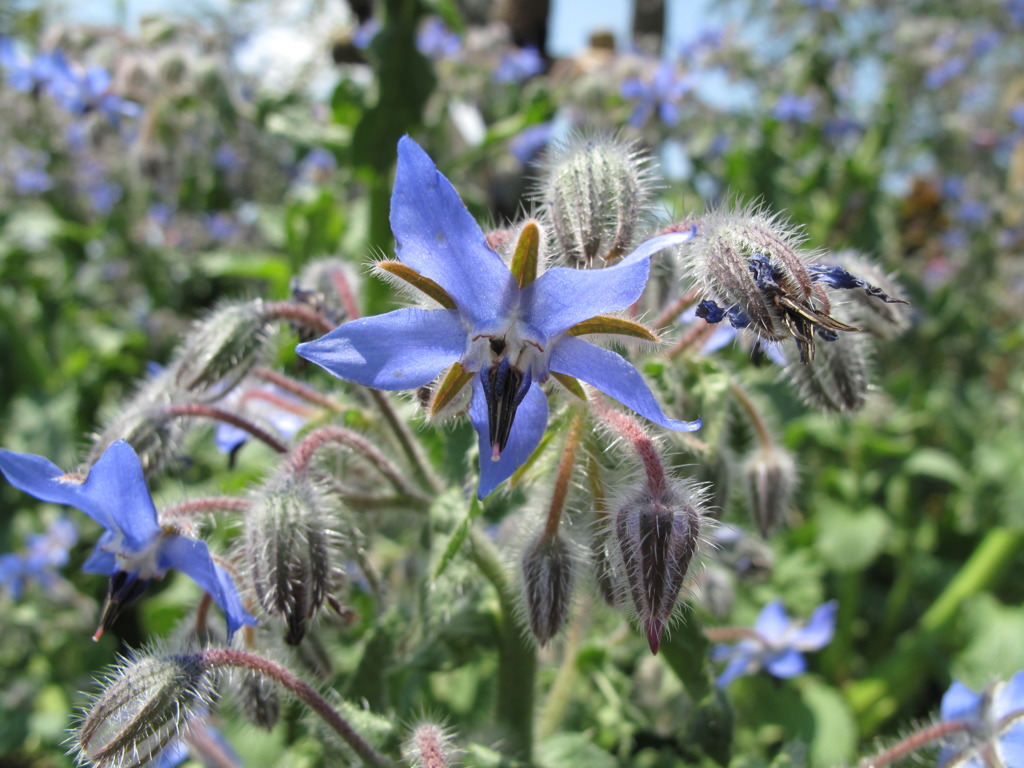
[548, 577]
[147, 706]
[837, 379]
[770, 476]
[259, 699]
[595, 190]
[155, 438]
[430, 746]
[292, 550]
[657, 534]
[222, 349]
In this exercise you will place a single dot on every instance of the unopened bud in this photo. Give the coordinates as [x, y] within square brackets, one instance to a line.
[548, 575]
[770, 479]
[595, 190]
[221, 349]
[329, 287]
[155, 438]
[837, 378]
[430, 746]
[259, 699]
[292, 551]
[657, 534]
[149, 703]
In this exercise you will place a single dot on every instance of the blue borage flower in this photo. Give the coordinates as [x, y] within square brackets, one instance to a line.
[777, 643]
[994, 722]
[502, 336]
[661, 93]
[38, 562]
[135, 549]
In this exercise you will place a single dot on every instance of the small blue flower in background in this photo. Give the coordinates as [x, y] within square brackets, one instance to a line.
[434, 40]
[529, 142]
[939, 75]
[283, 412]
[43, 554]
[518, 65]
[89, 91]
[508, 338]
[993, 721]
[33, 75]
[661, 93]
[135, 549]
[777, 643]
[316, 166]
[791, 108]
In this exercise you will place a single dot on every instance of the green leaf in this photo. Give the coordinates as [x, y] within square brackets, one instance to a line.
[936, 464]
[993, 650]
[458, 536]
[835, 733]
[571, 750]
[850, 541]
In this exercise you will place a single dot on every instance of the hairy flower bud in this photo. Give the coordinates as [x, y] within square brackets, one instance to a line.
[657, 535]
[221, 349]
[430, 746]
[548, 575]
[837, 378]
[291, 551]
[595, 190]
[328, 286]
[259, 699]
[150, 703]
[770, 476]
[155, 438]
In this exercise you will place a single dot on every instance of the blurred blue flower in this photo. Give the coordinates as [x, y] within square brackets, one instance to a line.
[221, 226]
[662, 93]
[994, 721]
[225, 158]
[32, 75]
[529, 142]
[823, 5]
[791, 108]
[316, 166]
[135, 549]
[777, 643]
[32, 181]
[506, 339]
[707, 40]
[972, 213]
[434, 40]
[1016, 114]
[42, 555]
[518, 64]
[1015, 10]
[939, 75]
[89, 90]
[272, 405]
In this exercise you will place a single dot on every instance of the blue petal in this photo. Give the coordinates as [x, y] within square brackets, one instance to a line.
[1011, 745]
[1010, 697]
[740, 664]
[562, 297]
[819, 629]
[102, 559]
[437, 236]
[116, 484]
[772, 623]
[613, 375]
[789, 663]
[960, 702]
[403, 349]
[527, 429]
[38, 476]
[192, 557]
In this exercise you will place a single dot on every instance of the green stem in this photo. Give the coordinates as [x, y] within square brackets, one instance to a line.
[900, 676]
[517, 658]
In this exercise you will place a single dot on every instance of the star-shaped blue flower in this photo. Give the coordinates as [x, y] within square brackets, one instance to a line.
[777, 643]
[994, 720]
[135, 548]
[508, 337]
[662, 93]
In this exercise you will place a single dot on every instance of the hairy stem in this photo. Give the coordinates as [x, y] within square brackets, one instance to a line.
[219, 414]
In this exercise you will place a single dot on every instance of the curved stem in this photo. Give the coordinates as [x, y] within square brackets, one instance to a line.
[304, 451]
[296, 313]
[637, 436]
[915, 742]
[297, 388]
[225, 657]
[564, 476]
[764, 435]
[219, 414]
[409, 444]
[204, 506]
